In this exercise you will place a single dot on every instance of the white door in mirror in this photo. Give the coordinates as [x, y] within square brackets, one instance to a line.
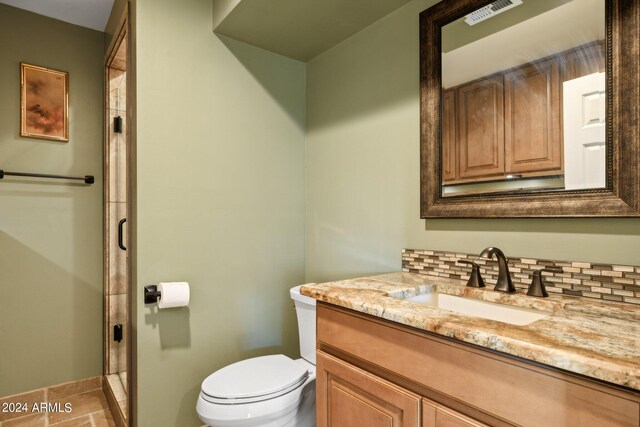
[584, 132]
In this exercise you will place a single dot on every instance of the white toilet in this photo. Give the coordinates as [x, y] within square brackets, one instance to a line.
[267, 391]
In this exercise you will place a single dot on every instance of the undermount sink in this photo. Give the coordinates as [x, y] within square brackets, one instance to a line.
[486, 310]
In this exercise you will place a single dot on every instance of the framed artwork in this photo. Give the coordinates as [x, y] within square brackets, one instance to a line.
[44, 103]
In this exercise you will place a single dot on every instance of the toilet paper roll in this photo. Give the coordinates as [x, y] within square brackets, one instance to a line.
[173, 294]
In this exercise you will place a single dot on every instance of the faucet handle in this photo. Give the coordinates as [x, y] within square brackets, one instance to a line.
[537, 286]
[475, 279]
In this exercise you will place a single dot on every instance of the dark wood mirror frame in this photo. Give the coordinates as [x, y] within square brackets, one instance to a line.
[621, 198]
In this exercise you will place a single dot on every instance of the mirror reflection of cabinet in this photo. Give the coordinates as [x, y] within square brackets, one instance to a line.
[472, 131]
[449, 136]
[510, 123]
[481, 133]
[533, 141]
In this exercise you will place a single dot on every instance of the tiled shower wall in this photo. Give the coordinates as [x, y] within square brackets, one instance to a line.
[619, 283]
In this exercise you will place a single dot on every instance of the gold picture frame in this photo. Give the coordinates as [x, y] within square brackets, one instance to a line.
[44, 103]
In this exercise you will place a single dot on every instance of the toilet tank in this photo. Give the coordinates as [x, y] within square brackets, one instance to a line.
[306, 312]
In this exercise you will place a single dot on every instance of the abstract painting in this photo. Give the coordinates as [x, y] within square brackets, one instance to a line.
[44, 103]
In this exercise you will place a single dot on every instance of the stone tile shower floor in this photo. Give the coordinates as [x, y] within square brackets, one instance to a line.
[86, 399]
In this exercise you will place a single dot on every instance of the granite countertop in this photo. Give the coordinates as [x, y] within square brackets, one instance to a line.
[593, 338]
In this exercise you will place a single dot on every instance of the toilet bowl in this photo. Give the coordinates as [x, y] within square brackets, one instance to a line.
[266, 391]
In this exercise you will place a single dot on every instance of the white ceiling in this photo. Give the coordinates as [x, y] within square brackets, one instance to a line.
[92, 14]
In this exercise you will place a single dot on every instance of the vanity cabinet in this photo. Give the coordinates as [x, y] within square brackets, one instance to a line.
[375, 372]
[354, 397]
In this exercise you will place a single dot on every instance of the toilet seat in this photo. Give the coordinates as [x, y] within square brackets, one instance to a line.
[254, 380]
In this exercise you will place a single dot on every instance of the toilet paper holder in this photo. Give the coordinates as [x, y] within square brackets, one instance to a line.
[151, 294]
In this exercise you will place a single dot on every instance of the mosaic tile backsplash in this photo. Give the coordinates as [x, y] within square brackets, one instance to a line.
[619, 283]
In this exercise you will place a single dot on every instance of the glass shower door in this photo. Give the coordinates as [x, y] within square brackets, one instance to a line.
[116, 188]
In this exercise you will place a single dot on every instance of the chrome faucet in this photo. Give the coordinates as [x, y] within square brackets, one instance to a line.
[504, 283]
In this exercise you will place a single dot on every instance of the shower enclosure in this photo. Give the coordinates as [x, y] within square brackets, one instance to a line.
[116, 198]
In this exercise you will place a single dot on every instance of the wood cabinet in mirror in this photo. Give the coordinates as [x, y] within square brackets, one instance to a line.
[470, 133]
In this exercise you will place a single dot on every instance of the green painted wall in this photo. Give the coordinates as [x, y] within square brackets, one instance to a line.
[219, 173]
[220, 202]
[50, 231]
[363, 170]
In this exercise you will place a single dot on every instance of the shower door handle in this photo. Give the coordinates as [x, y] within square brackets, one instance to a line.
[121, 234]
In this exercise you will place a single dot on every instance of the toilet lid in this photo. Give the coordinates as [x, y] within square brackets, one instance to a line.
[255, 379]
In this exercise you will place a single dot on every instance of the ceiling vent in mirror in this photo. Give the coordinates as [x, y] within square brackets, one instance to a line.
[491, 10]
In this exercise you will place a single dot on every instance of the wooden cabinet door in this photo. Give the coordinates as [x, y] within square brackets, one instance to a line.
[350, 397]
[435, 415]
[449, 157]
[480, 112]
[533, 138]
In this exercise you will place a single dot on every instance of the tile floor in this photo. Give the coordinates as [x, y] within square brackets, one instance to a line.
[84, 399]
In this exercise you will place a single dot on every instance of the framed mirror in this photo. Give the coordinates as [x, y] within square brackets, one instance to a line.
[530, 108]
